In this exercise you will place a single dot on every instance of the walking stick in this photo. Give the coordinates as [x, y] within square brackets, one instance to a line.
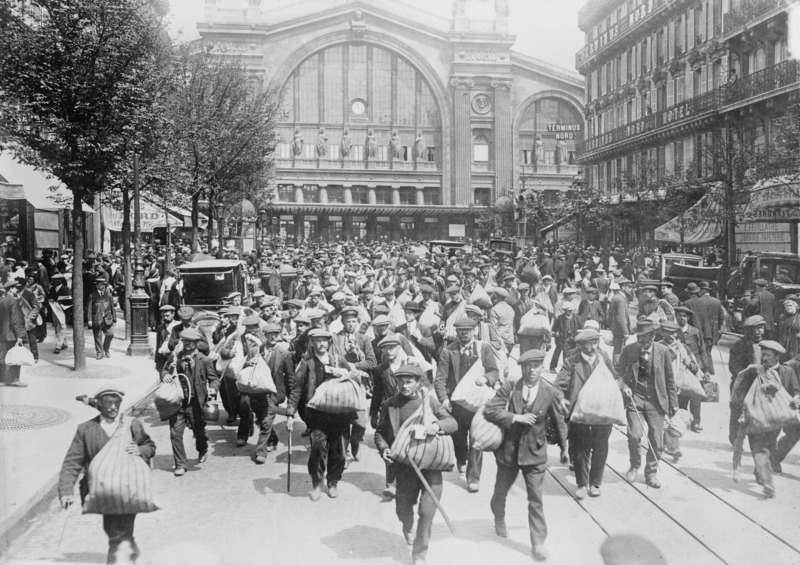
[289, 426]
[432, 495]
[641, 425]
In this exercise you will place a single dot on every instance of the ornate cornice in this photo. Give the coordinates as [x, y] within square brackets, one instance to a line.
[501, 84]
[677, 67]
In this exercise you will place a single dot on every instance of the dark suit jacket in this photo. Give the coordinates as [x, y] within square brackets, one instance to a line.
[89, 439]
[574, 373]
[448, 368]
[12, 320]
[282, 368]
[201, 379]
[425, 344]
[708, 317]
[593, 311]
[627, 368]
[308, 375]
[767, 308]
[389, 422]
[619, 319]
[101, 309]
[694, 341]
[525, 445]
[742, 355]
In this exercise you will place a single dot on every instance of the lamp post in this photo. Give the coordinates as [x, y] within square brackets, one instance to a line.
[220, 209]
[578, 183]
[140, 302]
[262, 220]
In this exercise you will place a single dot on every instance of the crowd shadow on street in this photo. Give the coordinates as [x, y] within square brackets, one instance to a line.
[482, 530]
[81, 558]
[367, 544]
[300, 483]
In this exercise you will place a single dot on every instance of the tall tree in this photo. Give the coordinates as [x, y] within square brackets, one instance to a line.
[75, 76]
[223, 127]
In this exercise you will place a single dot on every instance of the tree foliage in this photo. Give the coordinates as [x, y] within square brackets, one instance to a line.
[77, 94]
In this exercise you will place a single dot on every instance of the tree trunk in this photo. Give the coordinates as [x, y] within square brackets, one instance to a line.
[126, 259]
[195, 222]
[78, 350]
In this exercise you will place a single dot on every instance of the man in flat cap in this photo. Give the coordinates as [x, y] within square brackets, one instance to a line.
[12, 331]
[692, 339]
[455, 362]
[771, 375]
[90, 438]
[200, 382]
[762, 303]
[645, 368]
[743, 353]
[102, 317]
[522, 409]
[501, 317]
[408, 398]
[163, 331]
[588, 443]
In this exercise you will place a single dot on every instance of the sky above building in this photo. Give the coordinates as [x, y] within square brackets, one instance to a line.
[545, 29]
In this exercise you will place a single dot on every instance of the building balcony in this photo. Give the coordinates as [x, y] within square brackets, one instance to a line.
[634, 24]
[352, 165]
[760, 83]
[749, 11]
[543, 169]
[482, 167]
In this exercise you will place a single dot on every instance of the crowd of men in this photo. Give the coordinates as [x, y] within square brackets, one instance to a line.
[409, 324]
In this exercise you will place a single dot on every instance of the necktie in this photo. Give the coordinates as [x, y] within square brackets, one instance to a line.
[527, 394]
[466, 350]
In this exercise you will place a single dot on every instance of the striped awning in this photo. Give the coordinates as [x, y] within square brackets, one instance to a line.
[375, 209]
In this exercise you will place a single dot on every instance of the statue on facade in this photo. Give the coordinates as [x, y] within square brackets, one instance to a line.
[501, 8]
[561, 152]
[394, 146]
[372, 147]
[297, 144]
[346, 144]
[420, 149]
[538, 150]
[358, 24]
[322, 147]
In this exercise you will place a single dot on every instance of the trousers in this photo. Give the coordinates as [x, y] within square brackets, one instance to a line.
[8, 373]
[410, 491]
[329, 434]
[119, 528]
[191, 416]
[102, 338]
[466, 455]
[534, 478]
[762, 446]
[590, 451]
[263, 406]
[791, 436]
[654, 418]
[694, 405]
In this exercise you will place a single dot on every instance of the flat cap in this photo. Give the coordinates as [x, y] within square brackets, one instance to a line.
[167, 308]
[704, 285]
[465, 323]
[684, 310]
[185, 312]
[532, 356]
[630, 549]
[381, 320]
[773, 345]
[234, 311]
[388, 290]
[339, 295]
[348, 312]
[569, 306]
[754, 321]
[524, 286]
[390, 341]
[453, 289]
[426, 289]
[191, 334]
[295, 303]
[251, 321]
[587, 335]
[314, 313]
[669, 325]
[272, 328]
[109, 389]
[471, 308]
[408, 371]
[302, 320]
[319, 332]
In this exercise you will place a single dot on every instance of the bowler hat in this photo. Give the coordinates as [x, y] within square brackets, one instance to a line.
[644, 327]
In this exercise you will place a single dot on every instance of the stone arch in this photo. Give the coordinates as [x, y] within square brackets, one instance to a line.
[440, 92]
[520, 113]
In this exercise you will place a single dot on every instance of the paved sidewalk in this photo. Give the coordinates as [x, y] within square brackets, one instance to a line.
[37, 423]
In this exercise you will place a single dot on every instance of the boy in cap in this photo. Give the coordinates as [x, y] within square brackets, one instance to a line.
[90, 437]
[393, 412]
[588, 443]
[565, 329]
[455, 362]
[771, 375]
[162, 335]
[522, 410]
[200, 385]
[102, 317]
[12, 331]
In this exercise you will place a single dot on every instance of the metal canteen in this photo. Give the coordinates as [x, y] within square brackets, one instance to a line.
[210, 412]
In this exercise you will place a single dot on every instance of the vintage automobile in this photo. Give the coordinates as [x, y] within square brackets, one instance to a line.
[206, 284]
[447, 246]
[780, 270]
[503, 246]
[683, 268]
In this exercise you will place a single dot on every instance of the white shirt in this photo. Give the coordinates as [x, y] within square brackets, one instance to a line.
[588, 359]
[529, 393]
[109, 426]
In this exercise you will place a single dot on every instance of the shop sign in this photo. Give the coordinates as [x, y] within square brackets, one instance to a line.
[458, 230]
[149, 217]
[359, 218]
[383, 218]
[407, 220]
[431, 220]
[311, 218]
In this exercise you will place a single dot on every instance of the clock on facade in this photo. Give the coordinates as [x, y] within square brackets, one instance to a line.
[358, 107]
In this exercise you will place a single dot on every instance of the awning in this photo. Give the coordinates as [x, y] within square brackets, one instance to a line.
[773, 199]
[364, 209]
[19, 181]
[701, 223]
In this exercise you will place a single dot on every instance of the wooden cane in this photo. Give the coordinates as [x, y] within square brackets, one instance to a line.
[289, 427]
[431, 493]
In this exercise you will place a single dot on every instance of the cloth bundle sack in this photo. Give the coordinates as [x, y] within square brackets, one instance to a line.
[433, 453]
[676, 426]
[339, 396]
[533, 323]
[256, 378]
[467, 393]
[19, 356]
[768, 412]
[457, 314]
[231, 367]
[600, 401]
[430, 319]
[484, 435]
[480, 298]
[711, 389]
[119, 483]
[169, 397]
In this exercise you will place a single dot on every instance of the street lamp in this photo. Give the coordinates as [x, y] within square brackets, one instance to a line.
[220, 210]
[262, 219]
[270, 198]
[578, 183]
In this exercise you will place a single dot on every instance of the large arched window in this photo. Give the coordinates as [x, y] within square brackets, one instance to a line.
[548, 132]
[360, 88]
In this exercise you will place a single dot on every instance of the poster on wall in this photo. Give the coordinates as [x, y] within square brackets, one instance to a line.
[458, 230]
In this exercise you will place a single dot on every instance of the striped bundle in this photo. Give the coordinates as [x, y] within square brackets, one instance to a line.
[119, 483]
[339, 396]
[768, 412]
[484, 435]
[434, 453]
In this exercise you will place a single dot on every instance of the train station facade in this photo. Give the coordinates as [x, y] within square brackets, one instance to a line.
[400, 123]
